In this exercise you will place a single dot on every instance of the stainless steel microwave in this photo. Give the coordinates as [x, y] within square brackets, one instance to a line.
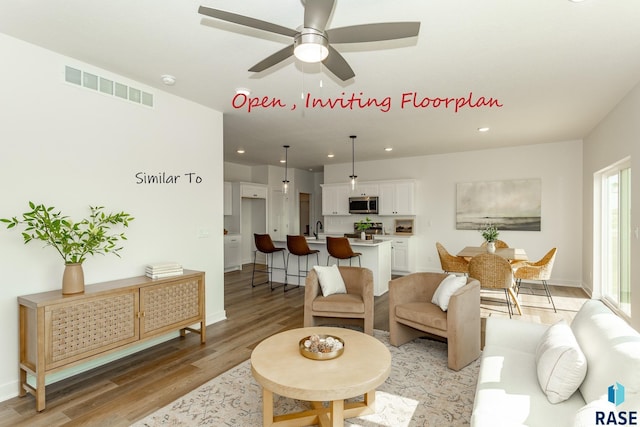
[363, 205]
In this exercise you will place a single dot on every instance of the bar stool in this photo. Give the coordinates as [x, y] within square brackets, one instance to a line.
[265, 245]
[298, 246]
[340, 248]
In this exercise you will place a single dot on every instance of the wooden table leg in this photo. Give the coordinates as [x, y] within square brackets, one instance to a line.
[514, 297]
[337, 413]
[370, 400]
[267, 407]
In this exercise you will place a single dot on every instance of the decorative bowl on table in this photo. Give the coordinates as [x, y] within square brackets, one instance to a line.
[321, 347]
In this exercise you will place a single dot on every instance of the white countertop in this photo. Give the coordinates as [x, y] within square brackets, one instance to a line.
[353, 242]
[341, 234]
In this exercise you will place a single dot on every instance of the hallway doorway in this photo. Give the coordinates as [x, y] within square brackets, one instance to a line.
[305, 213]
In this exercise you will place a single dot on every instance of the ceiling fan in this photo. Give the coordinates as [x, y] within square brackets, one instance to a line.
[313, 42]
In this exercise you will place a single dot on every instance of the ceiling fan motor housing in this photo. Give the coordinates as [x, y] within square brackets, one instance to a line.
[310, 45]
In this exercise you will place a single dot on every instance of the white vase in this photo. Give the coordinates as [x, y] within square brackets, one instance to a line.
[491, 247]
[363, 235]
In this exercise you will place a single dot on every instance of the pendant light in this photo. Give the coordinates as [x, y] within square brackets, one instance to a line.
[353, 175]
[285, 182]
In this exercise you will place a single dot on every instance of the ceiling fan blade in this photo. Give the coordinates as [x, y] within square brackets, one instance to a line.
[272, 60]
[246, 21]
[338, 65]
[373, 32]
[316, 13]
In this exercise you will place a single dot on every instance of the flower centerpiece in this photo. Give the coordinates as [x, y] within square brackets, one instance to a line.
[363, 225]
[73, 241]
[490, 234]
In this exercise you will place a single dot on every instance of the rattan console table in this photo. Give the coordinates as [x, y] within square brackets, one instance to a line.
[57, 332]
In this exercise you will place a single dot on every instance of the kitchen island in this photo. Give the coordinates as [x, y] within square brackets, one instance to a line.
[376, 256]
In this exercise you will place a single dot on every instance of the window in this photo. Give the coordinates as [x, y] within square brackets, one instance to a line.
[615, 235]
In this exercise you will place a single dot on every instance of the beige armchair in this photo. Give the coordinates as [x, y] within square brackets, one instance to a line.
[412, 315]
[354, 307]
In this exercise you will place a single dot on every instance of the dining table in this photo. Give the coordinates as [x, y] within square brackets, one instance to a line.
[513, 255]
[510, 254]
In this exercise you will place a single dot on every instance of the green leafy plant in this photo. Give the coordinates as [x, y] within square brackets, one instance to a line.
[364, 224]
[490, 232]
[74, 241]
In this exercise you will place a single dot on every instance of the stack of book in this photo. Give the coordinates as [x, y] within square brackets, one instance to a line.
[164, 269]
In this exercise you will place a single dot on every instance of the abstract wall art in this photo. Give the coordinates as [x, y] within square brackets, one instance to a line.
[510, 204]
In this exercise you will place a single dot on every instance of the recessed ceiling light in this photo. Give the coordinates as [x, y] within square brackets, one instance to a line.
[576, 1]
[283, 161]
[242, 91]
[167, 79]
[330, 155]
[240, 151]
[388, 149]
[484, 129]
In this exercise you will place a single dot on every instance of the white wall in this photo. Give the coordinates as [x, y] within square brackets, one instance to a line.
[71, 147]
[558, 165]
[234, 172]
[615, 137]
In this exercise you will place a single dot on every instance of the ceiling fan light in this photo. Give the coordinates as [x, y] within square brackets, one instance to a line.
[311, 52]
[310, 46]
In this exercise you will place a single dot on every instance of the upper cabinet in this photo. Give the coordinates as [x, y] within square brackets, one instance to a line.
[253, 191]
[335, 199]
[366, 189]
[396, 198]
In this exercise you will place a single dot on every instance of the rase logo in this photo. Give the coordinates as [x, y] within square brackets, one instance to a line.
[615, 394]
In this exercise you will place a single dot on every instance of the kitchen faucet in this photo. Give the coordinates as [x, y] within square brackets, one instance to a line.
[315, 233]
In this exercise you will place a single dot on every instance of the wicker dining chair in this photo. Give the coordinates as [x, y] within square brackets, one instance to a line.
[539, 271]
[451, 263]
[494, 272]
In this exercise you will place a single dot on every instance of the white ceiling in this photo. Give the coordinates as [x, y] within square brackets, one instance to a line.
[557, 68]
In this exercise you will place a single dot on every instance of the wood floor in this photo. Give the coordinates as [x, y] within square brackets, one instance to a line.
[128, 389]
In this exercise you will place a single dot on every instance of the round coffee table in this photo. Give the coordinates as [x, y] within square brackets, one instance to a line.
[278, 366]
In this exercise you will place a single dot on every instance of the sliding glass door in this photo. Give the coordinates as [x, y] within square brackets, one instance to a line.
[615, 228]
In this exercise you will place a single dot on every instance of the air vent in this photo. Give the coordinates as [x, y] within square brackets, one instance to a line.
[106, 86]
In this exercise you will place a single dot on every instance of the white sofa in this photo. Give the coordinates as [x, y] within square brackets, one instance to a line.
[508, 392]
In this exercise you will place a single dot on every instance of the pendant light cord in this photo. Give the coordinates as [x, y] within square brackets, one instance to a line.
[285, 183]
[353, 162]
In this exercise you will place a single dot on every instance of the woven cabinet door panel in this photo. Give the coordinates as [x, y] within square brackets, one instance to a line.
[81, 329]
[170, 306]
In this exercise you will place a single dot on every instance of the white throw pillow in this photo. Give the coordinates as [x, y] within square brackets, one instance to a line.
[330, 280]
[586, 416]
[446, 288]
[560, 363]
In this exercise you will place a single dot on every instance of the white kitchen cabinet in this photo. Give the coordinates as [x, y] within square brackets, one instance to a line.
[232, 252]
[397, 198]
[228, 198]
[366, 190]
[401, 253]
[253, 191]
[335, 199]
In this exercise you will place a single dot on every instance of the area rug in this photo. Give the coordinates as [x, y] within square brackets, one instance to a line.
[420, 391]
